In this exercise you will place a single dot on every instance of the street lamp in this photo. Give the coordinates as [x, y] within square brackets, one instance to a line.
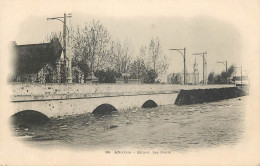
[204, 61]
[184, 61]
[69, 78]
[224, 63]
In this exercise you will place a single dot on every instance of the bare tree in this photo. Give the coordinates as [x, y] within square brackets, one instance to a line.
[138, 68]
[153, 56]
[122, 56]
[92, 45]
[126, 57]
[53, 35]
[117, 56]
[157, 59]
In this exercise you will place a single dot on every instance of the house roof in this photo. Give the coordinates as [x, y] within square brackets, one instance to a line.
[30, 58]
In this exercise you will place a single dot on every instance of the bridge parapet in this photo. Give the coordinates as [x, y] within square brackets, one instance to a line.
[23, 89]
[67, 99]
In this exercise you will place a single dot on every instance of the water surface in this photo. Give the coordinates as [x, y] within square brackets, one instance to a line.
[168, 127]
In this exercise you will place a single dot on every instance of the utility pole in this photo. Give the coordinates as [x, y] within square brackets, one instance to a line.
[204, 61]
[206, 69]
[184, 61]
[203, 68]
[64, 36]
[226, 72]
[66, 56]
[241, 75]
[225, 63]
[138, 70]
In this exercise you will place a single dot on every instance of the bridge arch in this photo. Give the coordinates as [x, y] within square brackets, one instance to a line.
[149, 104]
[104, 109]
[29, 117]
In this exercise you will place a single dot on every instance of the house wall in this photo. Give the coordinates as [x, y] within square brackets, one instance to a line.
[27, 78]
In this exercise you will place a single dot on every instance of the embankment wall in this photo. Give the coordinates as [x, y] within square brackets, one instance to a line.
[194, 96]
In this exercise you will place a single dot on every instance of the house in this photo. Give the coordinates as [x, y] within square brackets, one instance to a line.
[191, 78]
[41, 63]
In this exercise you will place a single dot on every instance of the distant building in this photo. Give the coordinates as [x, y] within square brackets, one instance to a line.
[191, 78]
[238, 80]
[42, 63]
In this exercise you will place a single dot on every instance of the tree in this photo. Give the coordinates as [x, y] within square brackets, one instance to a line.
[176, 78]
[211, 78]
[151, 62]
[122, 55]
[157, 59]
[150, 76]
[222, 78]
[92, 45]
[138, 69]
[53, 35]
[231, 71]
[108, 76]
[219, 79]
[94, 50]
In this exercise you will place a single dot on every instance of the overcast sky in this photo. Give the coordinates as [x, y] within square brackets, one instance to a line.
[222, 38]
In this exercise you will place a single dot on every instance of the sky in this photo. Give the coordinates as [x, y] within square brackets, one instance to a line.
[224, 39]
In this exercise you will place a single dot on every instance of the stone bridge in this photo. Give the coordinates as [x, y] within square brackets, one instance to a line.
[55, 100]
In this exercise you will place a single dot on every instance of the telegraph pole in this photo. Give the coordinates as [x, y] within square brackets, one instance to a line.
[67, 57]
[64, 36]
[225, 63]
[241, 72]
[226, 72]
[184, 61]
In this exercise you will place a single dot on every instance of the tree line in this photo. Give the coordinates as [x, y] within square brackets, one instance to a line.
[223, 77]
[94, 50]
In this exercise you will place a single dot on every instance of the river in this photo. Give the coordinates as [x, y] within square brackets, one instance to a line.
[169, 127]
